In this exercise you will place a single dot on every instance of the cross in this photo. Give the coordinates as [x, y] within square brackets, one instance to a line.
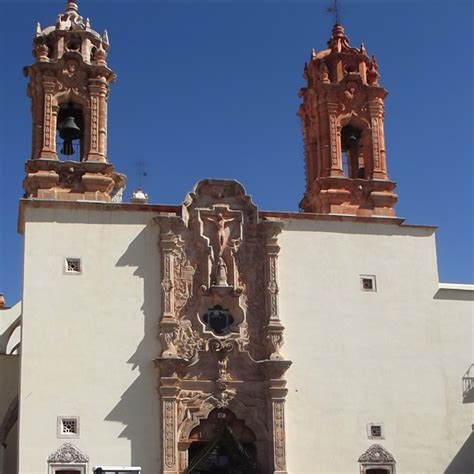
[141, 172]
[335, 10]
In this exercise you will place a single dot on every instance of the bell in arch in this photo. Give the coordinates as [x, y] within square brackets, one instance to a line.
[69, 130]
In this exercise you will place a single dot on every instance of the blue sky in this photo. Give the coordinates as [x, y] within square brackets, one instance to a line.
[209, 89]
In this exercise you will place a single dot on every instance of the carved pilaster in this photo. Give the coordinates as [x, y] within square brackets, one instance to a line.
[168, 323]
[98, 129]
[48, 150]
[278, 393]
[335, 141]
[169, 393]
[275, 327]
[378, 140]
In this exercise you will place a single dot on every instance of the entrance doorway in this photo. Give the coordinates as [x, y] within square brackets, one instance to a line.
[222, 444]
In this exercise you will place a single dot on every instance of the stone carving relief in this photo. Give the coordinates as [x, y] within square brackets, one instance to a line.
[376, 454]
[68, 453]
[220, 329]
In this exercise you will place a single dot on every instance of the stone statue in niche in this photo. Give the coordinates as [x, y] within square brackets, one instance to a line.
[219, 235]
[223, 232]
[221, 278]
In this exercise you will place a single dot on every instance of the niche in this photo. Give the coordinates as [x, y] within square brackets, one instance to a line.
[70, 130]
[353, 164]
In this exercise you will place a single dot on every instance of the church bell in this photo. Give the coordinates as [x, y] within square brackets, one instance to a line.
[69, 131]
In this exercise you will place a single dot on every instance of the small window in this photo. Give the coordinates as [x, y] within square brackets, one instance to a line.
[68, 427]
[367, 283]
[73, 266]
[375, 431]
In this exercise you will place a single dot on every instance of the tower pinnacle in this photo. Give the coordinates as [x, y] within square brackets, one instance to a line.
[72, 6]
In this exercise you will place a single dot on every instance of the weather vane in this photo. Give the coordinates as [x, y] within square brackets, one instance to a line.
[334, 9]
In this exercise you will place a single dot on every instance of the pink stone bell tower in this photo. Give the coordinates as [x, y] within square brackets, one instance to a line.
[69, 88]
[343, 124]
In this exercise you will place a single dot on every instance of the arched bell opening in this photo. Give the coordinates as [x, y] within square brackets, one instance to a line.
[353, 162]
[70, 130]
[222, 444]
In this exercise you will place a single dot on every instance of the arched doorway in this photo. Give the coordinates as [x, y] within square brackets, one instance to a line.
[222, 444]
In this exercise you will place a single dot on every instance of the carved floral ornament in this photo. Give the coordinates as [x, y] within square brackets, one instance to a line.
[220, 302]
[68, 453]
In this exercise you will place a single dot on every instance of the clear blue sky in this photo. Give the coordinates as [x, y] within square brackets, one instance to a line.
[209, 89]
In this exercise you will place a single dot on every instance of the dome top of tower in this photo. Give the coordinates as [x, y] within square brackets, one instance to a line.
[340, 58]
[338, 43]
[71, 34]
[71, 21]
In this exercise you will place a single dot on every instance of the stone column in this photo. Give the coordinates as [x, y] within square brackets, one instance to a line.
[324, 136]
[335, 141]
[378, 139]
[169, 393]
[168, 323]
[98, 120]
[275, 327]
[277, 396]
[48, 148]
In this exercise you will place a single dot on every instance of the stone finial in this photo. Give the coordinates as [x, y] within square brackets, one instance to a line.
[72, 6]
[105, 38]
[70, 20]
[100, 56]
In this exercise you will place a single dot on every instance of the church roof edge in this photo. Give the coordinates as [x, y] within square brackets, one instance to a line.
[176, 209]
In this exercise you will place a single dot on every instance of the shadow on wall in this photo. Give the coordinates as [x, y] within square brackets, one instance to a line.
[456, 295]
[463, 462]
[139, 408]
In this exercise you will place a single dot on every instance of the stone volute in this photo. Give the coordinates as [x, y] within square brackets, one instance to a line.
[69, 86]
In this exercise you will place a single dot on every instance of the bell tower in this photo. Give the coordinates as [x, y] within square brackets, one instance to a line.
[69, 86]
[343, 125]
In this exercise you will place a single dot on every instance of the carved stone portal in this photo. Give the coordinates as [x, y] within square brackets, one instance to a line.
[220, 329]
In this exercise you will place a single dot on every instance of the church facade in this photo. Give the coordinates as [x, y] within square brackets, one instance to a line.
[213, 337]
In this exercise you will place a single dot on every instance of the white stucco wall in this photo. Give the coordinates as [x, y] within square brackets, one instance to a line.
[394, 356]
[89, 340]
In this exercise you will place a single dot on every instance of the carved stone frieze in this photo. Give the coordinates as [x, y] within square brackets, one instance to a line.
[68, 453]
[220, 329]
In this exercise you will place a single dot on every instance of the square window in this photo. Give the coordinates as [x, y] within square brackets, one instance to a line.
[375, 431]
[68, 427]
[367, 283]
[73, 266]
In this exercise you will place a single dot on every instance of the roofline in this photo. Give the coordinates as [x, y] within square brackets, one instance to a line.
[176, 209]
[456, 286]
